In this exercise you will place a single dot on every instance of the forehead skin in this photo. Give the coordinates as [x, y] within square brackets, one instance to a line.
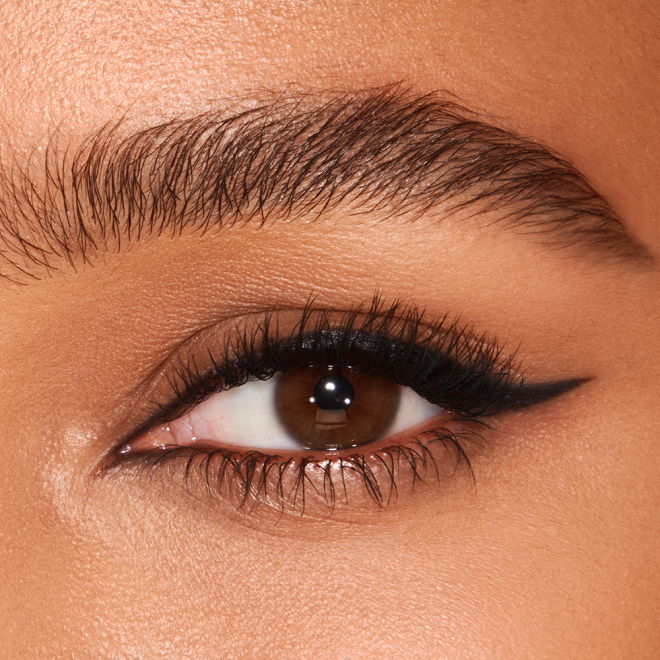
[579, 77]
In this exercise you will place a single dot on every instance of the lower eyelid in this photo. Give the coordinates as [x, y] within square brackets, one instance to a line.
[249, 481]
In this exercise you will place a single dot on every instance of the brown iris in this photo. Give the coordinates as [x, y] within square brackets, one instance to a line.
[335, 408]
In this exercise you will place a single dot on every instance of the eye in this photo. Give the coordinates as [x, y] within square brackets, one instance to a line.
[320, 409]
[330, 402]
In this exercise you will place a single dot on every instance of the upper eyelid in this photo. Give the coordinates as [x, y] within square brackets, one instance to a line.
[450, 326]
[377, 316]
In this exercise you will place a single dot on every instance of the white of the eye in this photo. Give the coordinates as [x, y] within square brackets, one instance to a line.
[413, 410]
[246, 417]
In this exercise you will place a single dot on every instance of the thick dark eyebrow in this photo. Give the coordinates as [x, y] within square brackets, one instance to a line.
[384, 151]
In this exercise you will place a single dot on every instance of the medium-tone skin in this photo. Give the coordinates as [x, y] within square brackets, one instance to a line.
[554, 554]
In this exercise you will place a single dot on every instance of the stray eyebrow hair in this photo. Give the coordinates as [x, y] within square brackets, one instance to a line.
[384, 150]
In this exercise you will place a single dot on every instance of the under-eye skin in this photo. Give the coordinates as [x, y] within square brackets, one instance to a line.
[373, 399]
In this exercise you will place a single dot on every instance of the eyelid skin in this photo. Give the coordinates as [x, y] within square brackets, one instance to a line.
[445, 363]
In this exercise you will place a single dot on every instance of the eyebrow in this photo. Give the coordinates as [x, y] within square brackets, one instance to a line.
[385, 151]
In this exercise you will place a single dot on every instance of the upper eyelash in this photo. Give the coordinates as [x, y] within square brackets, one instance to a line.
[435, 360]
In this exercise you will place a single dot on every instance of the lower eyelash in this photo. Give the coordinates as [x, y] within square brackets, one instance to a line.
[249, 479]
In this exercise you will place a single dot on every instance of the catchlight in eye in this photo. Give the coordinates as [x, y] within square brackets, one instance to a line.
[327, 409]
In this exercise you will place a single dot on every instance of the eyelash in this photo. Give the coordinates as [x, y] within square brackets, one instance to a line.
[444, 363]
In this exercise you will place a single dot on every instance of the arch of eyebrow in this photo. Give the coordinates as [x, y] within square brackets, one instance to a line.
[383, 151]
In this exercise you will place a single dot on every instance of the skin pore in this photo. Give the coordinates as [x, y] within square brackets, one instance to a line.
[547, 548]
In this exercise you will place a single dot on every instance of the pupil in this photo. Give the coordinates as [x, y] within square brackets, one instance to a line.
[333, 392]
[319, 408]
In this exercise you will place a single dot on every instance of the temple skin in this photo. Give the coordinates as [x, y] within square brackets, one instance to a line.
[548, 550]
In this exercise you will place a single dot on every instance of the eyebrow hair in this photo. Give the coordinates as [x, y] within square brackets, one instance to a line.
[384, 151]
